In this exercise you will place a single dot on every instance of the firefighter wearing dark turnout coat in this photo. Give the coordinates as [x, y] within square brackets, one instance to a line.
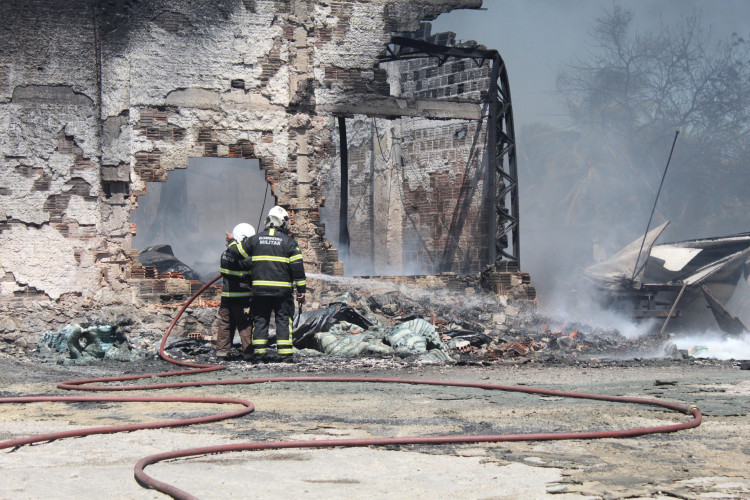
[235, 294]
[277, 269]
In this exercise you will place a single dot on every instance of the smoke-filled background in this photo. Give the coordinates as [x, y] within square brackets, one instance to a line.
[197, 205]
[599, 89]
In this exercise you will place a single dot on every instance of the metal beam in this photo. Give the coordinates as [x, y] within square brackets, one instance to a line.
[394, 107]
[344, 209]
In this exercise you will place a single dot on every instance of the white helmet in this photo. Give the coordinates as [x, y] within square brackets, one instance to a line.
[277, 217]
[242, 231]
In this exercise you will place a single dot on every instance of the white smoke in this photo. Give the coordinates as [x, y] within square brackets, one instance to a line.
[716, 345]
[536, 41]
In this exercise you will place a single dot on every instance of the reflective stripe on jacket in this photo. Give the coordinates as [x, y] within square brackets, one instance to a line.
[235, 273]
[276, 264]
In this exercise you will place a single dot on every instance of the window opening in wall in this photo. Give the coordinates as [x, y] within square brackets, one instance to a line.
[417, 202]
[195, 206]
[437, 124]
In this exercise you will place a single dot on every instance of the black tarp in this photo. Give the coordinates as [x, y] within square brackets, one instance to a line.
[321, 320]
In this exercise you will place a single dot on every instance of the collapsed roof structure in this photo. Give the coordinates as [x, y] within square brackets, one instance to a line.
[684, 284]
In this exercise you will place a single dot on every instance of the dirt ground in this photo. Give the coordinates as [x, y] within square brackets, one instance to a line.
[710, 461]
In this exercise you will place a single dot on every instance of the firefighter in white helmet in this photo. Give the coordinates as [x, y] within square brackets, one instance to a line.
[236, 291]
[277, 269]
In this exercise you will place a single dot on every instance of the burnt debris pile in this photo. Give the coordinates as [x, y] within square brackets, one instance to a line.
[350, 318]
[443, 326]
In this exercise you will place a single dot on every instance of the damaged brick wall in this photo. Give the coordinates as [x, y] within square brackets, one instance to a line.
[53, 225]
[417, 196]
[99, 98]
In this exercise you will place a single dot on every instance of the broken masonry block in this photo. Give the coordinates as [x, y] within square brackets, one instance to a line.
[98, 342]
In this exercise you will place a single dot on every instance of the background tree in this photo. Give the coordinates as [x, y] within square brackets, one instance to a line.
[626, 99]
[641, 87]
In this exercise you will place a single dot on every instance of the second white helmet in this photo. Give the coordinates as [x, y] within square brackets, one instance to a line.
[278, 217]
[242, 231]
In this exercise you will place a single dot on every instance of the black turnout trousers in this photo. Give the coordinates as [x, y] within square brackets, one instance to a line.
[283, 310]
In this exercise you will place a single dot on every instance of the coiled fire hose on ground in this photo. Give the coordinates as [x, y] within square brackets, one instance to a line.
[246, 407]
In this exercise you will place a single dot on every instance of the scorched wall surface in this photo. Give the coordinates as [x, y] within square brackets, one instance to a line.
[99, 98]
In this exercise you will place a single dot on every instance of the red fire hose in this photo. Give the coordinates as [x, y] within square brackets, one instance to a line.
[149, 482]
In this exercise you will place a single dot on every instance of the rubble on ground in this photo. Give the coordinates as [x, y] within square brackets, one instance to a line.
[441, 326]
[347, 321]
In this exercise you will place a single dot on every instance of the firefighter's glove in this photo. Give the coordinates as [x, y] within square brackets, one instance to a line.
[301, 298]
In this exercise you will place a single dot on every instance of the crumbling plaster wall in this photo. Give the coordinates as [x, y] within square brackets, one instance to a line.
[99, 98]
[51, 225]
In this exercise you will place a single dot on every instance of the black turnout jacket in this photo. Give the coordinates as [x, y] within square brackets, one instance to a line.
[235, 273]
[276, 264]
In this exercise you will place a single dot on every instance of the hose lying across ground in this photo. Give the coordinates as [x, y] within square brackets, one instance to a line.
[246, 407]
